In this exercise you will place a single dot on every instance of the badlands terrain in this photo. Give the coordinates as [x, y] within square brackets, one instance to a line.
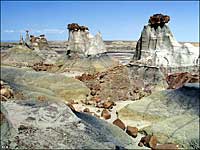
[86, 93]
[122, 50]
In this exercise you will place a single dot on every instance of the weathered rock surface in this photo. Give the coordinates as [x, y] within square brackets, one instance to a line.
[122, 51]
[157, 46]
[171, 115]
[52, 125]
[21, 55]
[52, 86]
[85, 65]
[49, 60]
[150, 78]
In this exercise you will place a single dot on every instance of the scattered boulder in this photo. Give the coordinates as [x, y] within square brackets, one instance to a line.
[149, 141]
[86, 77]
[123, 83]
[153, 141]
[108, 104]
[42, 67]
[86, 110]
[119, 123]
[105, 114]
[132, 131]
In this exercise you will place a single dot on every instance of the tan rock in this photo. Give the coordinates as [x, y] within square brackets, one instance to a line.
[132, 131]
[153, 142]
[86, 110]
[119, 123]
[143, 141]
[97, 100]
[149, 141]
[42, 98]
[8, 93]
[108, 104]
[105, 114]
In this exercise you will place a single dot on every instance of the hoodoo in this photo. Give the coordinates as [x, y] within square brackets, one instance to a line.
[83, 42]
[157, 46]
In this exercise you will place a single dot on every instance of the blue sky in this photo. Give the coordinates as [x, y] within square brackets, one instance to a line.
[115, 20]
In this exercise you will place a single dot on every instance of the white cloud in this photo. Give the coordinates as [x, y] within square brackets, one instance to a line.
[36, 31]
[54, 31]
[9, 31]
